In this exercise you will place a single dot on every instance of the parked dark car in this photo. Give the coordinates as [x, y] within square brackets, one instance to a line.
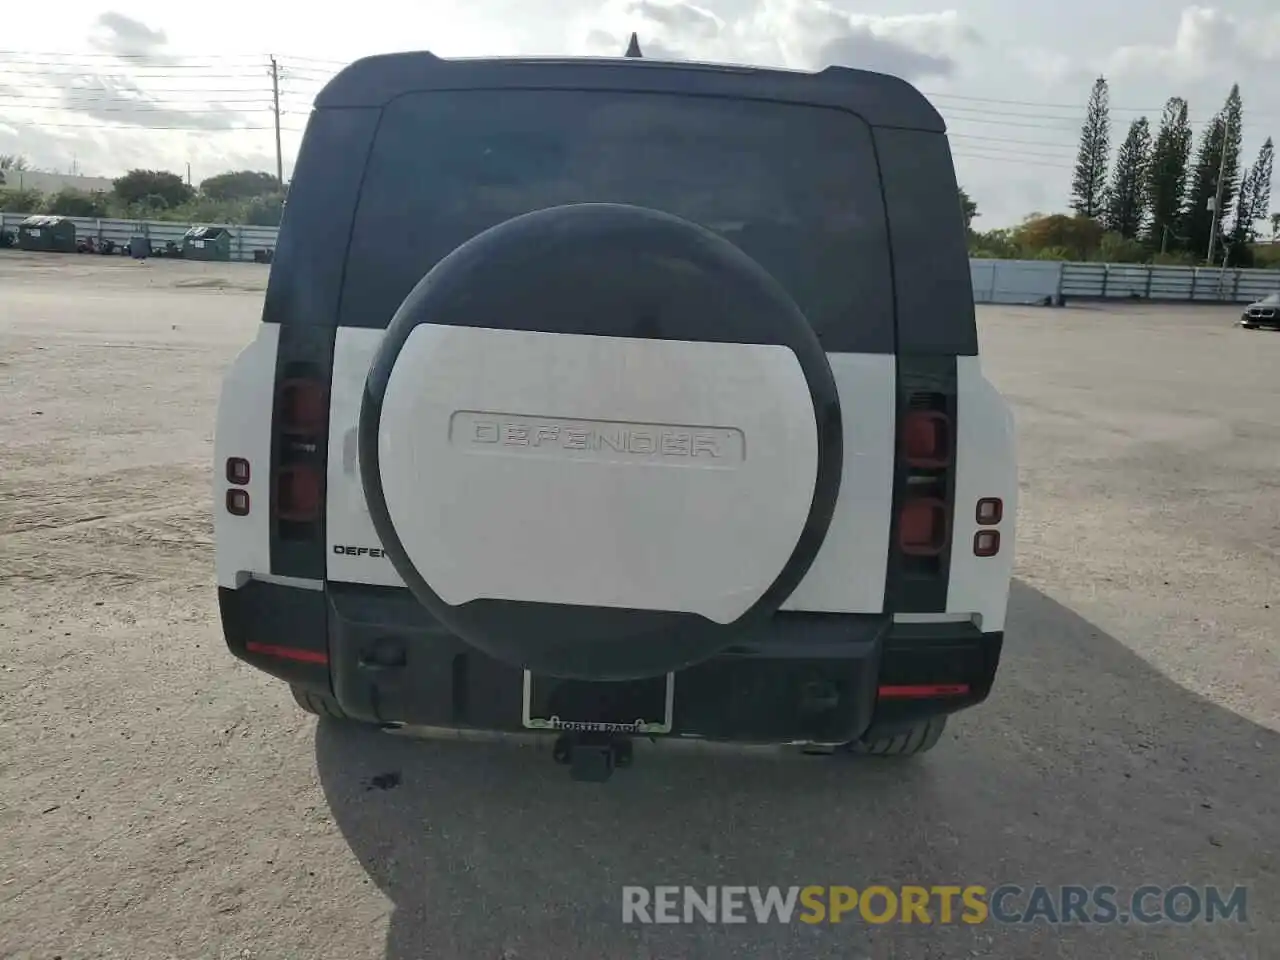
[1264, 313]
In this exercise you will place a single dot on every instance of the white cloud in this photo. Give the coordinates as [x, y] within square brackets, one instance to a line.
[803, 34]
[132, 102]
[123, 36]
[1206, 40]
[1001, 71]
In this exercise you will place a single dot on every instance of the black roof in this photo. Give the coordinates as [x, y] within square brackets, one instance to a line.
[879, 99]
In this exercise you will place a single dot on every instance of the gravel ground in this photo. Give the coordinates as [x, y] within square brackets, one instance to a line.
[158, 799]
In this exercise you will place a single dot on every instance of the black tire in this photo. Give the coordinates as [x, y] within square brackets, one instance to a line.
[320, 704]
[916, 740]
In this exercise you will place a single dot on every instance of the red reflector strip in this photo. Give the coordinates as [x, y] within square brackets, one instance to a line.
[922, 691]
[287, 653]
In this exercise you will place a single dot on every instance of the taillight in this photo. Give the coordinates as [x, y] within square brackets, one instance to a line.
[925, 464]
[299, 493]
[297, 482]
[926, 439]
[302, 407]
[922, 527]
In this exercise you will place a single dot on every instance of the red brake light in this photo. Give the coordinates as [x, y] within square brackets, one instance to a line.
[298, 493]
[302, 407]
[922, 527]
[926, 439]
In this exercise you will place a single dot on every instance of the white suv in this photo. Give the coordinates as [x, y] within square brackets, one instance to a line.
[614, 397]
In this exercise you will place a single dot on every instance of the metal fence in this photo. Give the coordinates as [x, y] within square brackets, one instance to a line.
[244, 239]
[1051, 282]
[994, 281]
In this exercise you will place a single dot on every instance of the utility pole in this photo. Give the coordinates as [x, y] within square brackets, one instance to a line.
[1217, 200]
[275, 98]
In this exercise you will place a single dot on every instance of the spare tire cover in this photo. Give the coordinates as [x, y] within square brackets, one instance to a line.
[600, 442]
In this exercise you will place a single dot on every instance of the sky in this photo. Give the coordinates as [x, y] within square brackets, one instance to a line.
[99, 89]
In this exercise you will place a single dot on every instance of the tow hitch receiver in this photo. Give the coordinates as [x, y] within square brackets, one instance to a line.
[592, 757]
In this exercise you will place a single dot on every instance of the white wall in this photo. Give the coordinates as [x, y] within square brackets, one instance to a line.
[52, 182]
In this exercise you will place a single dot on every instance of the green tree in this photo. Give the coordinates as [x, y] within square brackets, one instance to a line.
[77, 203]
[1059, 237]
[1254, 201]
[239, 185]
[1089, 183]
[1167, 179]
[968, 208]
[20, 201]
[264, 211]
[142, 187]
[999, 244]
[1125, 208]
[1116, 248]
[1221, 137]
[1275, 226]
[11, 162]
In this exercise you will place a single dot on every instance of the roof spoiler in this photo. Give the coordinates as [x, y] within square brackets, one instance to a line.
[633, 48]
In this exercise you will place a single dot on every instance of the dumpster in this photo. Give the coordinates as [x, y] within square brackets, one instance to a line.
[207, 243]
[48, 234]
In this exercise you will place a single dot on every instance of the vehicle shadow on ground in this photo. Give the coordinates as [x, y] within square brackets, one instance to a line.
[1087, 766]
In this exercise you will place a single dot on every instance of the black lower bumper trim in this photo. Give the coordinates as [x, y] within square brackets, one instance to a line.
[804, 676]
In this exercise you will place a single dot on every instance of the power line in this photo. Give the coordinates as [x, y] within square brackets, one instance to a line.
[1010, 158]
[1060, 106]
[121, 127]
[127, 103]
[134, 61]
[1029, 143]
[62, 90]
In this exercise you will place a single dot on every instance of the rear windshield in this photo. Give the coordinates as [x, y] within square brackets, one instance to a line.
[796, 187]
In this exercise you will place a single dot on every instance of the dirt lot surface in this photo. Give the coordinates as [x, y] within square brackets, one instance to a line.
[159, 799]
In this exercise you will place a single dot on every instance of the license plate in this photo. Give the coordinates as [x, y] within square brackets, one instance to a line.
[625, 706]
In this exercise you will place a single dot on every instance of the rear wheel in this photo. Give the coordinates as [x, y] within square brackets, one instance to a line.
[907, 743]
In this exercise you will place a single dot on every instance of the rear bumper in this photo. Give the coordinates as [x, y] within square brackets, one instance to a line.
[807, 677]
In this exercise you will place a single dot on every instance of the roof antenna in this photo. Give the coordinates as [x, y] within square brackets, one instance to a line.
[633, 48]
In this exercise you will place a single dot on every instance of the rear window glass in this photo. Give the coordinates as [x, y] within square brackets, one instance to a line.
[796, 187]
